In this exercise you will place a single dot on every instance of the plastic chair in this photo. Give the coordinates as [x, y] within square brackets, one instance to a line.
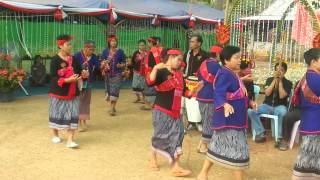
[256, 90]
[294, 134]
[274, 119]
[274, 126]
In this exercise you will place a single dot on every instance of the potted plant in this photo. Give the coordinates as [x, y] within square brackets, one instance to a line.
[10, 78]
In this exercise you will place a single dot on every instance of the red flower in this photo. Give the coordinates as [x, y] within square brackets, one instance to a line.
[4, 72]
[21, 72]
[8, 58]
[18, 73]
[62, 72]
[63, 65]
[14, 74]
[223, 34]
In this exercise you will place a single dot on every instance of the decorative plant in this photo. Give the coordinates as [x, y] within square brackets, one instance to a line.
[10, 77]
[223, 34]
[247, 59]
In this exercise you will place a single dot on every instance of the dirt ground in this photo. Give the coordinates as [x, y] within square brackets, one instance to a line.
[115, 148]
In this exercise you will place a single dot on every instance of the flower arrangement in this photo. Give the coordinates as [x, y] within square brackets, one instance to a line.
[247, 59]
[10, 77]
[275, 60]
[223, 34]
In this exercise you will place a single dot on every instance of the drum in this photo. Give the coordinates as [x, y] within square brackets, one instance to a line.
[192, 82]
[192, 105]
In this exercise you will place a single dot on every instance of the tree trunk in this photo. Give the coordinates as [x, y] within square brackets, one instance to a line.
[219, 4]
[226, 11]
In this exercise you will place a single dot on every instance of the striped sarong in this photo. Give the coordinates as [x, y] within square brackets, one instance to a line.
[63, 114]
[307, 166]
[138, 82]
[112, 85]
[206, 111]
[229, 148]
[168, 135]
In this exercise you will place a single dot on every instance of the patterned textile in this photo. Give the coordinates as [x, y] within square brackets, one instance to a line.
[63, 114]
[307, 166]
[206, 111]
[138, 82]
[168, 135]
[229, 148]
[112, 85]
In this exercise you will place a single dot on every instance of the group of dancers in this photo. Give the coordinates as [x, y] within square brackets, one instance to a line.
[73, 75]
[159, 81]
[224, 99]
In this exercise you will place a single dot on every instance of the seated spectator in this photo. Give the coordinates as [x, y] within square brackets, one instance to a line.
[289, 119]
[277, 91]
[38, 72]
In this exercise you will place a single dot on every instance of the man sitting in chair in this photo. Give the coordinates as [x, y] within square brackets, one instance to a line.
[277, 91]
[38, 72]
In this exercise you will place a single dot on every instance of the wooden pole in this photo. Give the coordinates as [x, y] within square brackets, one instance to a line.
[219, 4]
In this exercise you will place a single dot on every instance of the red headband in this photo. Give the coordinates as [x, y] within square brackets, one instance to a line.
[61, 42]
[174, 52]
[216, 49]
[109, 39]
[152, 40]
[89, 46]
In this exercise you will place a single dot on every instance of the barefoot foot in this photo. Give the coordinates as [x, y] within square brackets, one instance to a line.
[180, 172]
[202, 148]
[153, 166]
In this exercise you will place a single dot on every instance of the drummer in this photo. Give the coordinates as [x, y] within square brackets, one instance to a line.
[193, 59]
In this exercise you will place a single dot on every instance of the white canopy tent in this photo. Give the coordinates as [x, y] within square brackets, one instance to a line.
[275, 12]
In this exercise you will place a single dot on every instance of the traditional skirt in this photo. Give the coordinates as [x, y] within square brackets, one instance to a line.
[206, 111]
[150, 99]
[307, 166]
[112, 85]
[84, 107]
[138, 82]
[63, 114]
[150, 94]
[229, 148]
[168, 135]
